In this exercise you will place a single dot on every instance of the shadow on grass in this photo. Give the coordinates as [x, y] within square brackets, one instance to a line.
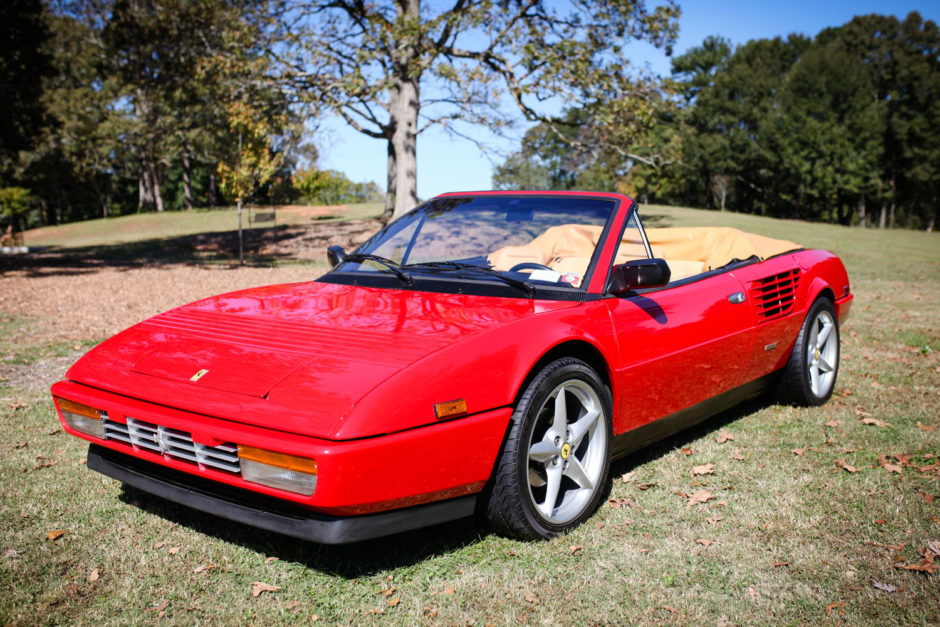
[349, 561]
[262, 247]
[687, 436]
[404, 549]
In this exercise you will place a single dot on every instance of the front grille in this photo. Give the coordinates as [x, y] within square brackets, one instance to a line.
[172, 444]
[774, 295]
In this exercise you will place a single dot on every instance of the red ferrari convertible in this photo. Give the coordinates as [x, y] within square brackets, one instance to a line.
[486, 353]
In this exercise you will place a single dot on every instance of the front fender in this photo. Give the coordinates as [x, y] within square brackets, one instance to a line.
[485, 369]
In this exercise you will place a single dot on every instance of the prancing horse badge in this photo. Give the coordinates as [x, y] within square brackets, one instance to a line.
[198, 375]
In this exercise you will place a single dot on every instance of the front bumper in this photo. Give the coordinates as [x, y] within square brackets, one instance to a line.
[265, 512]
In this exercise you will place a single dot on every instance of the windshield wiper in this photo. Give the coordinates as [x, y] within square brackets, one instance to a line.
[388, 263]
[457, 265]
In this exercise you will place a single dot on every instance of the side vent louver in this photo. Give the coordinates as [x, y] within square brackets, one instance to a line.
[774, 295]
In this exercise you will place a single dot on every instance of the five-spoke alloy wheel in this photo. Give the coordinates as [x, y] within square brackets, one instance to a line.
[810, 374]
[554, 469]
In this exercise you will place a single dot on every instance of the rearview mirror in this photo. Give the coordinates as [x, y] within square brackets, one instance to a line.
[637, 274]
[335, 254]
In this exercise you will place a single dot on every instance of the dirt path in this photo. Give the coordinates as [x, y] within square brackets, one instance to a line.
[69, 299]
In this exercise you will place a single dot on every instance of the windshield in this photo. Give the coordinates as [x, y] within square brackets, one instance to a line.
[530, 239]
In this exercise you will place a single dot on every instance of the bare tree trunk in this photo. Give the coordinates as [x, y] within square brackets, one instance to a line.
[187, 179]
[391, 183]
[891, 216]
[144, 188]
[403, 115]
[883, 216]
[404, 108]
[212, 190]
[157, 195]
[861, 212]
[241, 246]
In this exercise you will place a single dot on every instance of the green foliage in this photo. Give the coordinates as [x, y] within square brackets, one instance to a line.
[253, 162]
[825, 129]
[329, 187]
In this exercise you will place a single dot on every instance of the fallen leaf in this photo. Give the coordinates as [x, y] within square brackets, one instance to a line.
[737, 455]
[799, 451]
[720, 504]
[704, 469]
[833, 606]
[934, 548]
[723, 437]
[779, 564]
[430, 611]
[627, 477]
[449, 590]
[893, 468]
[174, 550]
[645, 486]
[529, 598]
[699, 496]
[751, 590]
[11, 553]
[924, 427]
[705, 543]
[599, 526]
[93, 576]
[881, 521]
[268, 560]
[860, 411]
[258, 587]
[55, 534]
[714, 521]
[375, 611]
[159, 545]
[389, 592]
[394, 602]
[25, 444]
[576, 549]
[159, 607]
[876, 422]
[687, 451]
[835, 424]
[844, 466]
[885, 586]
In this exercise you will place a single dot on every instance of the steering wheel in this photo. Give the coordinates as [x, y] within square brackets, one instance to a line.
[529, 265]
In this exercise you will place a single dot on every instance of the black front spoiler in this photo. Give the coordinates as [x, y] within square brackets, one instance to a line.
[265, 512]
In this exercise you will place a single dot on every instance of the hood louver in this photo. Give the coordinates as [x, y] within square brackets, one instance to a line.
[774, 296]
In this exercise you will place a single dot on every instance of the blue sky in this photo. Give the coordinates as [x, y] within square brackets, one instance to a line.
[449, 164]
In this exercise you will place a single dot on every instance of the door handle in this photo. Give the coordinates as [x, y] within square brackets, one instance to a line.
[737, 298]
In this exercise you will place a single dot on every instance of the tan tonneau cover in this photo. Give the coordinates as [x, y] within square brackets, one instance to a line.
[687, 250]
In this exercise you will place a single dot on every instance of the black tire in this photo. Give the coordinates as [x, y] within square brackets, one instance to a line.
[809, 377]
[535, 451]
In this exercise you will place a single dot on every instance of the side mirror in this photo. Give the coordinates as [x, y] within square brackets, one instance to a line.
[335, 254]
[639, 273]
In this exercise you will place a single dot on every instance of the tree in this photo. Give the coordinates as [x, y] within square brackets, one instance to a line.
[395, 69]
[253, 162]
[23, 64]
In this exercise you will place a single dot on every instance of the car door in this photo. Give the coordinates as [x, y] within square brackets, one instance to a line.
[679, 345]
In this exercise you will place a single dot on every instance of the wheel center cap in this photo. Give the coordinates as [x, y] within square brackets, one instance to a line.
[816, 354]
[565, 450]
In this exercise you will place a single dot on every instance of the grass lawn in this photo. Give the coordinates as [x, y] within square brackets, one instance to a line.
[171, 224]
[814, 513]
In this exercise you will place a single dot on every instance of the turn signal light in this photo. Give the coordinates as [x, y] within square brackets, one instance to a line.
[81, 417]
[278, 470]
[450, 409]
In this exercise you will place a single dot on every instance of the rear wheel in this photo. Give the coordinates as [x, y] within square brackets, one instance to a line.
[554, 468]
[810, 375]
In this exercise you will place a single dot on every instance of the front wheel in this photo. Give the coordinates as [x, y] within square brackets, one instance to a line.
[554, 468]
[810, 374]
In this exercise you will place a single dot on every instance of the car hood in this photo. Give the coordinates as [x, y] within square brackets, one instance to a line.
[297, 357]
